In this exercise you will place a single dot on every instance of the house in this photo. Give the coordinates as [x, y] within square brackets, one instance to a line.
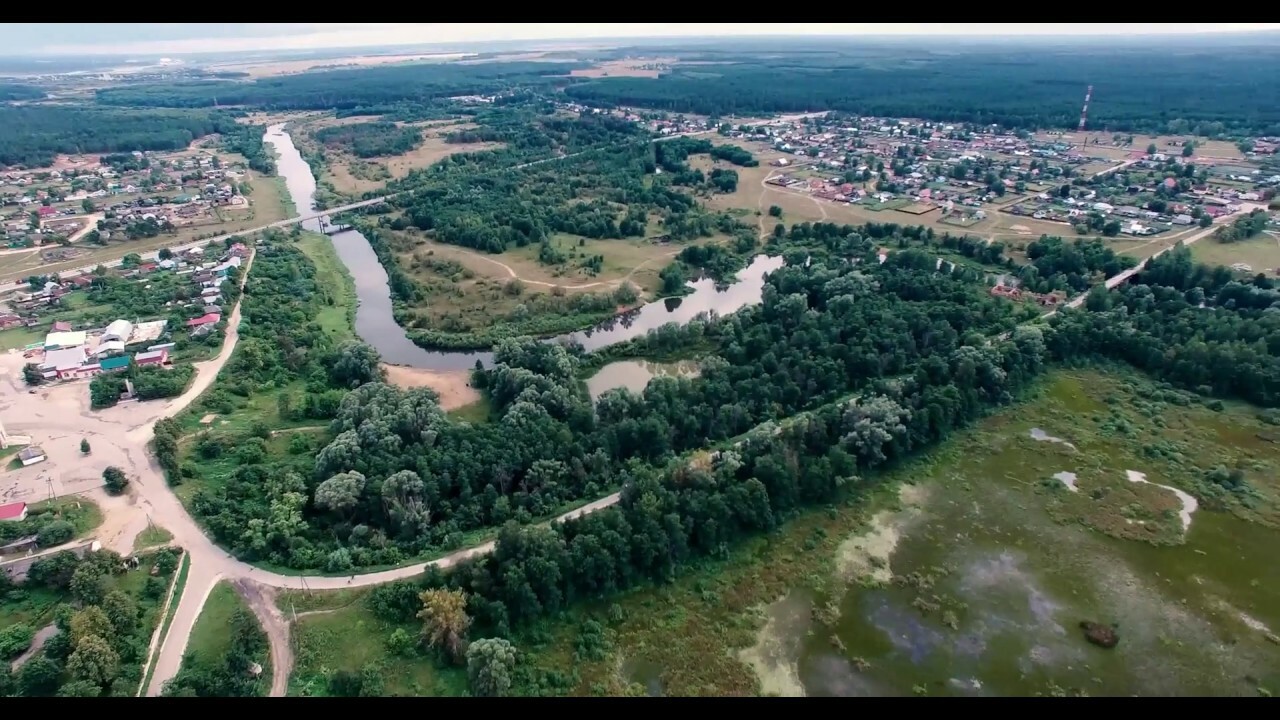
[209, 293]
[9, 320]
[61, 340]
[154, 358]
[46, 211]
[30, 455]
[206, 319]
[13, 512]
[113, 364]
[206, 310]
[62, 360]
[225, 267]
[118, 330]
[1182, 220]
[61, 326]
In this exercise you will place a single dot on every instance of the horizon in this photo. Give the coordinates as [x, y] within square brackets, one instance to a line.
[26, 40]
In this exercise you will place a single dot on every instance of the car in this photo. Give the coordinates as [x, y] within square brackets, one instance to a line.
[32, 391]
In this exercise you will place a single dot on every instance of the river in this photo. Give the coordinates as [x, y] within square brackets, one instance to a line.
[376, 324]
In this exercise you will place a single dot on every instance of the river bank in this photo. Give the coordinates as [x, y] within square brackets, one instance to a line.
[375, 315]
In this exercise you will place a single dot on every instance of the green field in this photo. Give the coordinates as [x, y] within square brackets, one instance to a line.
[1261, 253]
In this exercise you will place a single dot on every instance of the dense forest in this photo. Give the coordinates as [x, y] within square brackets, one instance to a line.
[32, 135]
[12, 92]
[370, 139]
[346, 89]
[1135, 88]
[398, 477]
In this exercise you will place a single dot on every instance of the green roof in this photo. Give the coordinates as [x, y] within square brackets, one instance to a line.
[114, 363]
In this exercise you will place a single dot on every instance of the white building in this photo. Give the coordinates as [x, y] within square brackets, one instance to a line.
[118, 330]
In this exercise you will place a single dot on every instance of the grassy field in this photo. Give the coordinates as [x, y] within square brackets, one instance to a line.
[353, 176]
[153, 535]
[984, 528]
[337, 319]
[335, 631]
[269, 203]
[465, 290]
[1261, 253]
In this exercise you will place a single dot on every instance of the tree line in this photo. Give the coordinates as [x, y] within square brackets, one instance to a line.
[1151, 89]
[32, 135]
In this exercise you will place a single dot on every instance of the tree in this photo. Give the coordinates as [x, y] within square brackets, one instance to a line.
[444, 621]
[356, 364]
[80, 688]
[165, 254]
[166, 561]
[84, 446]
[94, 660]
[121, 610]
[54, 571]
[114, 480]
[90, 621]
[1188, 148]
[32, 374]
[55, 533]
[89, 585]
[39, 677]
[1152, 149]
[775, 211]
[340, 493]
[87, 205]
[490, 662]
[1205, 221]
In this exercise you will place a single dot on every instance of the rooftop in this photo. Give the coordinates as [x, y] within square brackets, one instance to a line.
[12, 510]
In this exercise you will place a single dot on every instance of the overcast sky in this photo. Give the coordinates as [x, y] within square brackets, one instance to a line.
[177, 38]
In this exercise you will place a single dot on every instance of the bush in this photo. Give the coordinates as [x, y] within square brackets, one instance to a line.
[14, 640]
[55, 533]
[114, 480]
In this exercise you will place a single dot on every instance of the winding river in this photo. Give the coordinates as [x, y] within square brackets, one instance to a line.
[376, 325]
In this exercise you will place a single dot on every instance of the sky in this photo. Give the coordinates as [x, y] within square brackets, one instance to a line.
[180, 38]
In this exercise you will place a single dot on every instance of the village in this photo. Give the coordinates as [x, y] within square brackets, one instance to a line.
[87, 203]
[955, 175]
[189, 284]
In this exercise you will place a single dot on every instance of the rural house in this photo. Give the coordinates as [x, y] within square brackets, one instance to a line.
[13, 512]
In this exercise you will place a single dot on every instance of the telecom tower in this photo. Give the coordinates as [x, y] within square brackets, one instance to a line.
[1084, 113]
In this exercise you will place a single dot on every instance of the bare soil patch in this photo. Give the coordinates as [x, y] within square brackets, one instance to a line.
[289, 67]
[451, 385]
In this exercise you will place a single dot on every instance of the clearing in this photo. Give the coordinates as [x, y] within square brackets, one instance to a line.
[453, 386]
[336, 631]
[636, 67]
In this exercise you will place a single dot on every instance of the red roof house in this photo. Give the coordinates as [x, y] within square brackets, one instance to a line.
[208, 319]
[17, 512]
[46, 211]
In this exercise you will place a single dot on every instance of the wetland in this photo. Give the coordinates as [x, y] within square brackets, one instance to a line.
[975, 569]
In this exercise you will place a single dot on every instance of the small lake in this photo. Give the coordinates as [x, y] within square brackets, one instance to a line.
[376, 325]
[635, 375]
